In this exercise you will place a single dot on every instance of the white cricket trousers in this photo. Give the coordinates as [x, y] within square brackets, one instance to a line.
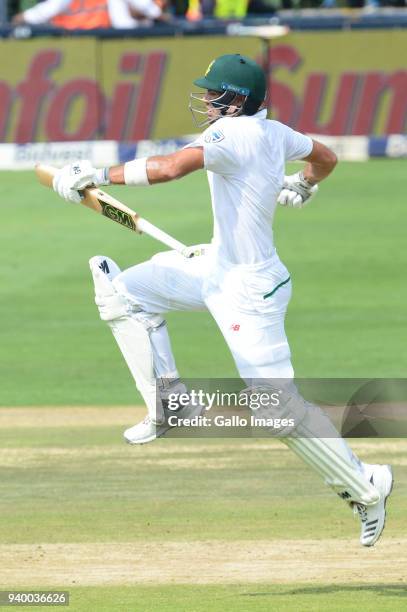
[248, 303]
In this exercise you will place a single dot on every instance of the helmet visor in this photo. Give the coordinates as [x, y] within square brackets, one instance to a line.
[208, 110]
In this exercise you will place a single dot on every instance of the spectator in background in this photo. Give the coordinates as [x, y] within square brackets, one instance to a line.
[91, 14]
[229, 9]
[196, 9]
[223, 9]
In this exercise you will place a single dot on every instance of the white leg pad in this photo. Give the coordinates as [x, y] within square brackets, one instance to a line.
[134, 342]
[331, 458]
[105, 265]
[131, 331]
[315, 439]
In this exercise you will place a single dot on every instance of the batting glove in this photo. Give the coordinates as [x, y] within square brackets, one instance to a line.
[71, 179]
[296, 191]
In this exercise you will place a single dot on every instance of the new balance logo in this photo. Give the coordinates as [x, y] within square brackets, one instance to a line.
[344, 495]
[104, 267]
[235, 327]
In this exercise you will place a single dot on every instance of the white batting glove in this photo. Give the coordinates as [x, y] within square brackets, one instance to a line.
[73, 178]
[296, 191]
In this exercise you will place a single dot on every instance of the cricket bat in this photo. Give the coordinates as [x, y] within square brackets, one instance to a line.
[108, 206]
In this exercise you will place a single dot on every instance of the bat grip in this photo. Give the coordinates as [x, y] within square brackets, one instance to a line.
[148, 228]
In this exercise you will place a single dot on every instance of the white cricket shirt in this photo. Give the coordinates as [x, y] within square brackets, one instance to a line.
[245, 160]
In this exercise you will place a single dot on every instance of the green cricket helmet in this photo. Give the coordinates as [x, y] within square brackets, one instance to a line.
[233, 75]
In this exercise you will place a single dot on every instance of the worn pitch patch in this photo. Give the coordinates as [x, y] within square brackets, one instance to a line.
[75, 416]
[207, 562]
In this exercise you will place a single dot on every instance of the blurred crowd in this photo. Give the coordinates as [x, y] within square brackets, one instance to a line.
[90, 14]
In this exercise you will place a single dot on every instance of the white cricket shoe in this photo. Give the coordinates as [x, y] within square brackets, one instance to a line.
[148, 430]
[145, 431]
[373, 517]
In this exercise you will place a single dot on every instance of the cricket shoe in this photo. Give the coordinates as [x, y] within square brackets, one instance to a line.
[148, 430]
[373, 517]
[145, 431]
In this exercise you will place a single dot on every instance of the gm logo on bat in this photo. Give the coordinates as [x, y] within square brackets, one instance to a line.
[117, 215]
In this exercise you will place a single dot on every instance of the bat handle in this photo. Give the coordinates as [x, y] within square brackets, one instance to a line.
[148, 228]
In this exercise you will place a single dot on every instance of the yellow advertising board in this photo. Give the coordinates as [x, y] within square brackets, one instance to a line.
[163, 70]
[39, 79]
[339, 83]
[130, 89]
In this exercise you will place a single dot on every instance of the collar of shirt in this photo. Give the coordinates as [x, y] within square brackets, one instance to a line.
[262, 114]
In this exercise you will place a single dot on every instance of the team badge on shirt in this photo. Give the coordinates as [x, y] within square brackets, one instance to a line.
[214, 136]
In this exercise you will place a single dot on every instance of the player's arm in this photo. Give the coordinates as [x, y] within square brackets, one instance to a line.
[71, 179]
[299, 188]
[320, 163]
[41, 13]
[161, 168]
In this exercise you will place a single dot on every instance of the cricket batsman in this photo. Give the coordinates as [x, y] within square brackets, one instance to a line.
[238, 278]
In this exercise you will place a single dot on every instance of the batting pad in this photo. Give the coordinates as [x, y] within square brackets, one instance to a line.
[103, 267]
[130, 332]
[331, 457]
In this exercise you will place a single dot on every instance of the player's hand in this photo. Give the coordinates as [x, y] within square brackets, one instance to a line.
[296, 191]
[71, 179]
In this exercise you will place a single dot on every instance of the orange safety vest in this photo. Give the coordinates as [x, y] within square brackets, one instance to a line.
[84, 15]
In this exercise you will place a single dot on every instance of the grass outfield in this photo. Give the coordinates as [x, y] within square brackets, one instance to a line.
[191, 525]
[345, 253]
